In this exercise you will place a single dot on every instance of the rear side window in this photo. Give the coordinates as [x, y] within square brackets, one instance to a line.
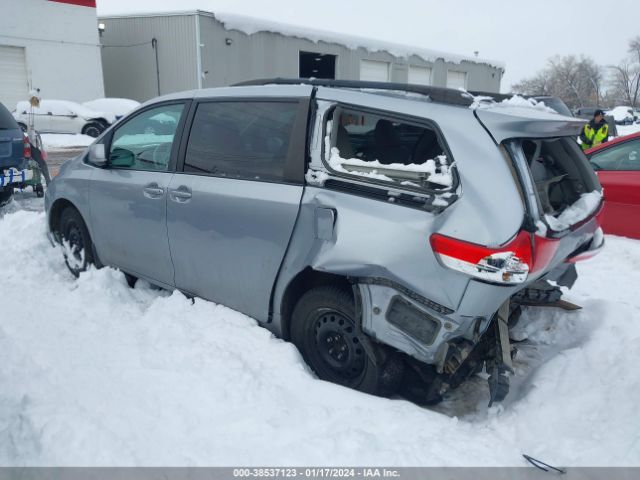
[622, 157]
[7, 122]
[384, 149]
[245, 140]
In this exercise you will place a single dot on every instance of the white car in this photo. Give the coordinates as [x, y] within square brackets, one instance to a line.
[117, 106]
[62, 116]
[622, 115]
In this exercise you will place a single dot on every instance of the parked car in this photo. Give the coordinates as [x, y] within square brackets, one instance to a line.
[622, 115]
[384, 234]
[119, 107]
[61, 116]
[617, 164]
[22, 159]
[12, 151]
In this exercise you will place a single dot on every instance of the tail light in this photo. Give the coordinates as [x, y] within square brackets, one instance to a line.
[510, 263]
[26, 147]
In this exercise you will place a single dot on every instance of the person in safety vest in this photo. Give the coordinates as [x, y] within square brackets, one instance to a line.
[595, 132]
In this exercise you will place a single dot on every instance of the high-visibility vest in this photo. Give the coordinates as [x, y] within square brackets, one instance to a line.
[593, 136]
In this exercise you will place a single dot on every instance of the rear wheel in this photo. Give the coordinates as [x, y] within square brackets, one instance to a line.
[76, 242]
[324, 329]
[5, 195]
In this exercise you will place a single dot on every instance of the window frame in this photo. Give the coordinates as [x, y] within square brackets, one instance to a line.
[393, 116]
[107, 138]
[296, 160]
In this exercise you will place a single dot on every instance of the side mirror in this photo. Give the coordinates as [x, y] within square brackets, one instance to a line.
[97, 155]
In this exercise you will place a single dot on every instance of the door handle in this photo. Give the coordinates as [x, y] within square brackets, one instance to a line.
[181, 194]
[153, 191]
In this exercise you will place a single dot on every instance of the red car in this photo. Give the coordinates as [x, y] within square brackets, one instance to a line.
[617, 164]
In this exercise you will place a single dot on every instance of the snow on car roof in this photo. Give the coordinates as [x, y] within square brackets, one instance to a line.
[250, 25]
[63, 107]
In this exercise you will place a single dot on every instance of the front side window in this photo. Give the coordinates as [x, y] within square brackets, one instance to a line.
[145, 141]
[623, 157]
[383, 149]
[244, 140]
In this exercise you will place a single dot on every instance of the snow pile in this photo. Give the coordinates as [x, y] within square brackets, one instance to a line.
[251, 25]
[516, 101]
[58, 141]
[95, 373]
[581, 209]
[620, 114]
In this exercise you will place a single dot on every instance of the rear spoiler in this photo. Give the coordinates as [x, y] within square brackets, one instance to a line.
[504, 123]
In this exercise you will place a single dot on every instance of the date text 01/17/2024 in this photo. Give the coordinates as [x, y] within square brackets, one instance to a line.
[313, 472]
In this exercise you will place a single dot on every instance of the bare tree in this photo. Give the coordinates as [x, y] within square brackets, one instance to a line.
[626, 76]
[578, 81]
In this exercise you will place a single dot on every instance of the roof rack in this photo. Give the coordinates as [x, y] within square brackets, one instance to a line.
[436, 94]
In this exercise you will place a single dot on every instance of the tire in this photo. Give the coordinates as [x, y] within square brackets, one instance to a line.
[5, 195]
[93, 129]
[76, 241]
[324, 330]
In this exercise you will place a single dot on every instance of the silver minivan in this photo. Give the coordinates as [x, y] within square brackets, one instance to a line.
[391, 232]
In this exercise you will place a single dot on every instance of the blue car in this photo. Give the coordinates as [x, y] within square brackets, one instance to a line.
[12, 158]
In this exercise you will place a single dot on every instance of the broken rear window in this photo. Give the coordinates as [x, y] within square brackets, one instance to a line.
[384, 149]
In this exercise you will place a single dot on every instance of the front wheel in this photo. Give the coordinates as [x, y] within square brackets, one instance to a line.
[93, 129]
[324, 330]
[76, 242]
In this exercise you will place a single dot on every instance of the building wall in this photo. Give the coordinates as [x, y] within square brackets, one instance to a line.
[61, 46]
[129, 59]
[266, 54]
[223, 57]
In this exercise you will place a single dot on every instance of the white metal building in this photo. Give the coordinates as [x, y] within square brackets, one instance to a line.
[145, 55]
[51, 45]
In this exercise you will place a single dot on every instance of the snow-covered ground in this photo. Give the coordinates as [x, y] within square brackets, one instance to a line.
[628, 129]
[59, 141]
[95, 373]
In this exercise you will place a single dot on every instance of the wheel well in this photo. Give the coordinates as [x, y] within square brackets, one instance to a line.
[302, 283]
[56, 212]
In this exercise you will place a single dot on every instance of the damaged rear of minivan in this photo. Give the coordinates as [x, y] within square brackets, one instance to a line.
[424, 228]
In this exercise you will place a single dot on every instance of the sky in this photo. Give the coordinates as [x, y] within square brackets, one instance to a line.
[522, 34]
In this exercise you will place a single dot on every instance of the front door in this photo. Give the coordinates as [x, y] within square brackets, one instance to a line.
[232, 209]
[128, 198]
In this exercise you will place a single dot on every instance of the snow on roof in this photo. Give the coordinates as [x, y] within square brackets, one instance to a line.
[250, 25]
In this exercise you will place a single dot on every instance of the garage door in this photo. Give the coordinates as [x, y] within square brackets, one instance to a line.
[419, 75]
[374, 71]
[456, 79]
[13, 76]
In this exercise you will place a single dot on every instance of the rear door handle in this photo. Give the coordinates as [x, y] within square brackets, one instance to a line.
[152, 190]
[181, 194]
